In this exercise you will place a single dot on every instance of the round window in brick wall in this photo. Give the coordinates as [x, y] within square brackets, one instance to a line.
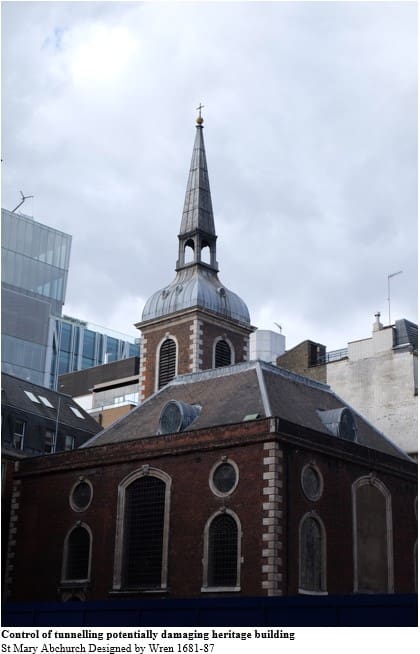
[81, 495]
[224, 478]
[312, 484]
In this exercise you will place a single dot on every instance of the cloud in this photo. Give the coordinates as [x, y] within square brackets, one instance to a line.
[310, 129]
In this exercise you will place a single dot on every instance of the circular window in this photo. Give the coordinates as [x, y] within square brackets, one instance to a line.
[311, 483]
[81, 496]
[224, 478]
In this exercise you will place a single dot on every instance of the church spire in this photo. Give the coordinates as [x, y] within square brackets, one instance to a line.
[197, 230]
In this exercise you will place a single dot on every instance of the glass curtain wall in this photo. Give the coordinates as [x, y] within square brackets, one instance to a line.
[34, 268]
[78, 345]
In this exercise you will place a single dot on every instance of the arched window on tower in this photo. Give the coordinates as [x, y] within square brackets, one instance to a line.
[167, 362]
[77, 548]
[222, 354]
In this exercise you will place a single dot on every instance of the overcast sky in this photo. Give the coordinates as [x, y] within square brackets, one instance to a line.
[310, 131]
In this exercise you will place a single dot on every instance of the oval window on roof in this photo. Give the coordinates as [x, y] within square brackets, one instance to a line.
[339, 422]
[176, 416]
[347, 428]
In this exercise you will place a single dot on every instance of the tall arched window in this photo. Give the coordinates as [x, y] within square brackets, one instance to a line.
[312, 554]
[77, 547]
[372, 536]
[222, 354]
[142, 530]
[222, 553]
[167, 362]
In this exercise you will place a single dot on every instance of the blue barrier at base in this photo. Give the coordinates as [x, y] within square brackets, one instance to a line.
[296, 611]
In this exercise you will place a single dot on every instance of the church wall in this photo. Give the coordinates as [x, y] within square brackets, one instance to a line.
[335, 509]
[192, 504]
[270, 534]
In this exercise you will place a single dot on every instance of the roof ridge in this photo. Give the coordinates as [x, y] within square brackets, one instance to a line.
[243, 366]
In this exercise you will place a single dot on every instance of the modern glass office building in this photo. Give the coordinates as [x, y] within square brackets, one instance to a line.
[38, 343]
[34, 268]
[78, 345]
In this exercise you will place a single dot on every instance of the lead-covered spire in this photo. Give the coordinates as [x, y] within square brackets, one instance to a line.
[197, 230]
[197, 284]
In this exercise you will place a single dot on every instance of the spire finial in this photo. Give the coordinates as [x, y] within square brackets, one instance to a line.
[199, 119]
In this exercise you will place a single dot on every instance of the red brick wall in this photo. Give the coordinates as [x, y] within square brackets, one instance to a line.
[335, 509]
[181, 330]
[45, 515]
[154, 336]
[211, 333]
[45, 518]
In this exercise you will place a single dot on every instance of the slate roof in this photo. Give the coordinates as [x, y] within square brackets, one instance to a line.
[13, 395]
[241, 392]
[406, 333]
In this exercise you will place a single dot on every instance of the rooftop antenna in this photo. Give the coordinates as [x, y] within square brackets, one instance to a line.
[24, 197]
[279, 326]
[389, 293]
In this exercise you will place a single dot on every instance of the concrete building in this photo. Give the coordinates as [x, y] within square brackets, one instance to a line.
[38, 342]
[376, 375]
[106, 392]
[266, 345]
[231, 478]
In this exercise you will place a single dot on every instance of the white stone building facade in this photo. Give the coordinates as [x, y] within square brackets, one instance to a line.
[379, 379]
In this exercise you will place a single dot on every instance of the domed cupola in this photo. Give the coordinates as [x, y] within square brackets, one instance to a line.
[197, 283]
[194, 323]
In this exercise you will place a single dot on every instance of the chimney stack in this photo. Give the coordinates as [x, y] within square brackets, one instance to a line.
[377, 325]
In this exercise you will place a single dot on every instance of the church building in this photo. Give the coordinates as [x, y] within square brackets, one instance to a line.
[231, 478]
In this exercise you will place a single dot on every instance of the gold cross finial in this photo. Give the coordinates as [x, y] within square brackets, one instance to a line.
[199, 119]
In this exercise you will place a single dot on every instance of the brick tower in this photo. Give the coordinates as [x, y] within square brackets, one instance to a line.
[195, 323]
